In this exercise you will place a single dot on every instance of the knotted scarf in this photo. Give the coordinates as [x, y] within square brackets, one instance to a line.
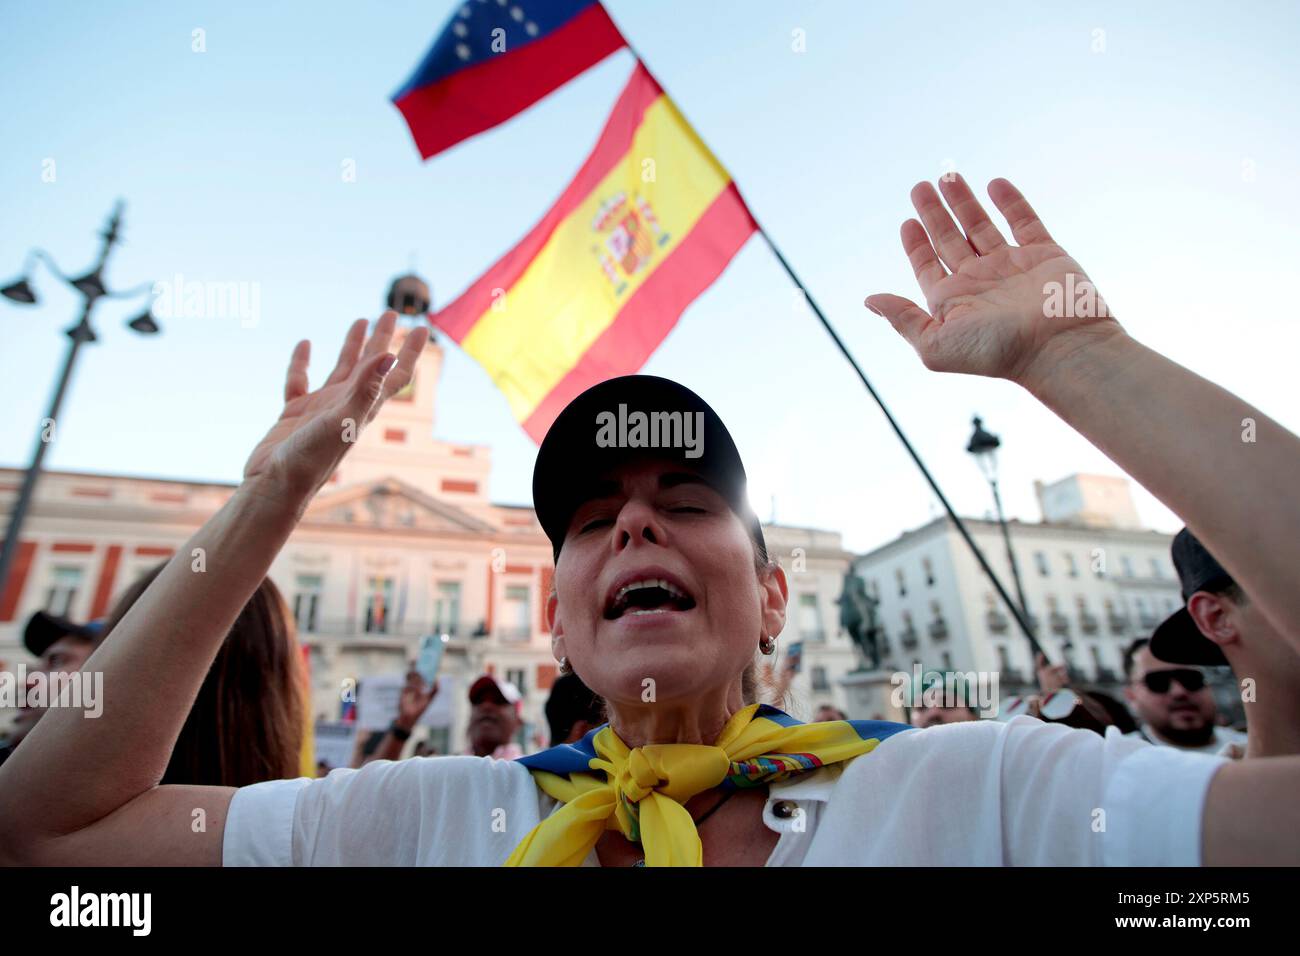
[641, 791]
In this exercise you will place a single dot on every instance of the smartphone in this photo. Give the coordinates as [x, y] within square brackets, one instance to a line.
[427, 664]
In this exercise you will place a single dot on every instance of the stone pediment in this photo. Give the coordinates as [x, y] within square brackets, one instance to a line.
[391, 504]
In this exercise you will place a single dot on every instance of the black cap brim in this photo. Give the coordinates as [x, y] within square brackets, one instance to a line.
[44, 629]
[575, 450]
[1179, 641]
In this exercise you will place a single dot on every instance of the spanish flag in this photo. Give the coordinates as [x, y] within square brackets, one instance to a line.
[651, 219]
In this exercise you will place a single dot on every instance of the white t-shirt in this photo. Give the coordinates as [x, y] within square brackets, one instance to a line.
[1221, 743]
[977, 794]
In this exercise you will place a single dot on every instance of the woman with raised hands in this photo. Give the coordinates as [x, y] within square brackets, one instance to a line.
[86, 791]
[664, 597]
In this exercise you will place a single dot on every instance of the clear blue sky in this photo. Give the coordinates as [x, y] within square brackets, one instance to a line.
[1167, 164]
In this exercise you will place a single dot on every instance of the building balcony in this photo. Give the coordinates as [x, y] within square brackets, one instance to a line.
[909, 639]
[1059, 622]
[516, 634]
[1117, 624]
[938, 629]
[1148, 621]
[1088, 623]
[997, 622]
[356, 629]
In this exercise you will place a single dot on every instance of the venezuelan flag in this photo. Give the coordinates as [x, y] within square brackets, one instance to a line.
[493, 60]
[650, 220]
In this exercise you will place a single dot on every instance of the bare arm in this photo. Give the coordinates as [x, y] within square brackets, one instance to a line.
[86, 791]
[991, 312]
[411, 705]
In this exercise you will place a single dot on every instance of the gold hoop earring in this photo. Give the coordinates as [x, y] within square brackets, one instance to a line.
[768, 644]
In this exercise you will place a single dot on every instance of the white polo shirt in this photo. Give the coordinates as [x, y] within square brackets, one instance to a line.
[970, 794]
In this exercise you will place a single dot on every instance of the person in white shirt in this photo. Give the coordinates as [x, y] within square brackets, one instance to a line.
[664, 595]
[1175, 706]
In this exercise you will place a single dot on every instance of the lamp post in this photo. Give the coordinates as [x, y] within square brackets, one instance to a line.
[984, 446]
[92, 289]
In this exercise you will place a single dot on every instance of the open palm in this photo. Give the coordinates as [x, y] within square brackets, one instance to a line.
[992, 307]
[316, 429]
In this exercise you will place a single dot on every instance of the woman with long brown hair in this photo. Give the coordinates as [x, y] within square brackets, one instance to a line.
[246, 724]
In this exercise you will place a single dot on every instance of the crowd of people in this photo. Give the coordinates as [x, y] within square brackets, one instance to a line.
[667, 748]
[246, 725]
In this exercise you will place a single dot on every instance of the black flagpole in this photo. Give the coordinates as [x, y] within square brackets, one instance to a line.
[1016, 611]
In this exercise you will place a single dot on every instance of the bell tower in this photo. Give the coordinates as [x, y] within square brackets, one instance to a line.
[399, 443]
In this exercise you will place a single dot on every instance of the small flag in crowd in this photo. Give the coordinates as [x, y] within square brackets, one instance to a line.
[648, 223]
[496, 58]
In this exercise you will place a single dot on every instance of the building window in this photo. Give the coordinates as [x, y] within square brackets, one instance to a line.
[1040, 559]
[1155, 568]
[902, 582]
[1096, 658]
[928, 568]
[1127, 564]
[947, 661]
[65, 582]
[819, 679]
[446, 608]
[379, 605]
[516, 677]
[515, 619]
[1071, 566]
[306, 601]
[1004, 659]
[810, 620]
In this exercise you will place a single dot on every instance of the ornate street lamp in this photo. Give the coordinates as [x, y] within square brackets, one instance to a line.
[984, 446]
[91, 287]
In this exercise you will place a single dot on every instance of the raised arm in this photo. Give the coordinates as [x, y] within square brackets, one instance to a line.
[1028, 313]
[86, 791]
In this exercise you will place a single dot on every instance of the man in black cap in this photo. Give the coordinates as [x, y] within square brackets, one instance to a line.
[60, 646]
[1219, 625]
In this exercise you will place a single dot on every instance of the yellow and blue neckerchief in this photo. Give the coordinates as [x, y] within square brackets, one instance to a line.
[604, 785]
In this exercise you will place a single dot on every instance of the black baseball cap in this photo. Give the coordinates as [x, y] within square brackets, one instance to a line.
[1178, 640]
[578, 447]
[44, 629]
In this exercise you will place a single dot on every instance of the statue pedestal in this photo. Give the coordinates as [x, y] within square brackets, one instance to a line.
[870, 696]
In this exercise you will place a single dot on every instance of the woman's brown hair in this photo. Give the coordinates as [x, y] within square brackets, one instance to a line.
[247, 723]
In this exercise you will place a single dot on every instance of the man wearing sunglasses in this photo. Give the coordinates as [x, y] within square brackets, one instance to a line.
[1174, 704]
[1220, 625]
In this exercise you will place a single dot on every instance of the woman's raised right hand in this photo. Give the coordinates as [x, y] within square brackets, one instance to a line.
[316, 429]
